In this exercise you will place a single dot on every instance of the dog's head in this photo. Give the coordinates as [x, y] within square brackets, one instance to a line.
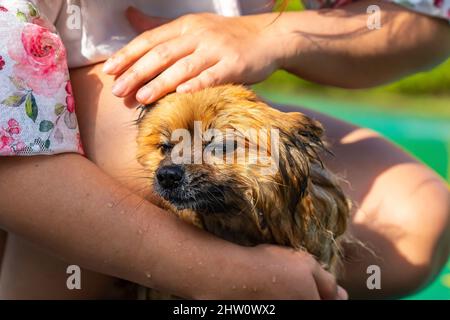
[247, 172]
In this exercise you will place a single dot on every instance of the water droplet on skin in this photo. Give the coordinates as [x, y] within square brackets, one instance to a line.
[140, 231]
[244, 287]
[233, 287]
[274, 279]
[148, 275]
[200, 263]
[110, 204]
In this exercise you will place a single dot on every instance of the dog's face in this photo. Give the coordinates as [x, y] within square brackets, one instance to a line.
[240, 169]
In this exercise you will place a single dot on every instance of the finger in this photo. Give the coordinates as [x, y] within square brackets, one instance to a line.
[168, 81]
[217, 74]
[153, 63]
[309, 290]
[326, 284]
[342, 293]
[142, 22]
[141, 45]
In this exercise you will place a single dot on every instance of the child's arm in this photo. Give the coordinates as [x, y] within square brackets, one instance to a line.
[66, 204]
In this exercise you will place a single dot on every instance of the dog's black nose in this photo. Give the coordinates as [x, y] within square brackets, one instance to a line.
[169, 177]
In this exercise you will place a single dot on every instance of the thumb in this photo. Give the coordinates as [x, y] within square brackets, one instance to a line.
[142, 22]
[327, 286]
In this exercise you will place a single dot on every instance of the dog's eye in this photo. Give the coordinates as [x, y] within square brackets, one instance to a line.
[229, 146]
[165, 147]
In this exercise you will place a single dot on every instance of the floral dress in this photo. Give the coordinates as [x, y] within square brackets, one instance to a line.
[37, 108]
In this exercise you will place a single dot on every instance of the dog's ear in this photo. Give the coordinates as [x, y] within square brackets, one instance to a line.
[322, 215]
[302, 145]
[315, 200]
[306, 134]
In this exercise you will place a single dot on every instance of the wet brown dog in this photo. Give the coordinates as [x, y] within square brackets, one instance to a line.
[243, 199]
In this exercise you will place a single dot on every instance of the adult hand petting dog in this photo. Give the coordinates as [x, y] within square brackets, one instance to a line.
[193, 52]
[202, 50]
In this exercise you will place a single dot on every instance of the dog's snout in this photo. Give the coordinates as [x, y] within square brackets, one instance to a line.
[170, 177]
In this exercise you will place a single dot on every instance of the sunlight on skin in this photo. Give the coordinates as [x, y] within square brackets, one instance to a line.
[359, 135]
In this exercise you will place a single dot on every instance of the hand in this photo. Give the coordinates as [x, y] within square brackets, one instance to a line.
[194, 52]
[274, 272]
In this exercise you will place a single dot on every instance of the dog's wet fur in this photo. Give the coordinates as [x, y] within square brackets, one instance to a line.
[300, 205]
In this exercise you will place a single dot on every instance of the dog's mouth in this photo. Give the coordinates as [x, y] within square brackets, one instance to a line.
[209, 200]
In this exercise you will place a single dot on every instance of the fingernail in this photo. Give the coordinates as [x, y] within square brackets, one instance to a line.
[183, 88]
[144, 94]
[119, 87]
[342, 294]
[109, 65]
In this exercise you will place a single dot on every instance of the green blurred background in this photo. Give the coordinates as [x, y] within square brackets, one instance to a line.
[413, 112]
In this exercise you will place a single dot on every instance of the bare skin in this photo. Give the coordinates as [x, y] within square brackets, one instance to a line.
[332, 47]
[402, 207]
[75, 213]
[402, 210]
[87, 219]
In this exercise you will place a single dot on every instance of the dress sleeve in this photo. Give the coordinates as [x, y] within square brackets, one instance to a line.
[436, 8]
[37, 108]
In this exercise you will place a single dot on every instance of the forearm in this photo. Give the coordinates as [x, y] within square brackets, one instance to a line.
[67, 205]
[335, 47]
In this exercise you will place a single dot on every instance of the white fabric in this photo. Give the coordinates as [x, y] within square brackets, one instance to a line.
[104, 28]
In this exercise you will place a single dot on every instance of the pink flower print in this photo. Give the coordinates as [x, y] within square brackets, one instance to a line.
[3, 9]
[9, 143]
[80, 145]
[2, 63]
[70, 103]
[70, 100]
[13, 127]
[5, 141]
[40, 60]
[19, 146]
[69, 88]
[438, 3]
